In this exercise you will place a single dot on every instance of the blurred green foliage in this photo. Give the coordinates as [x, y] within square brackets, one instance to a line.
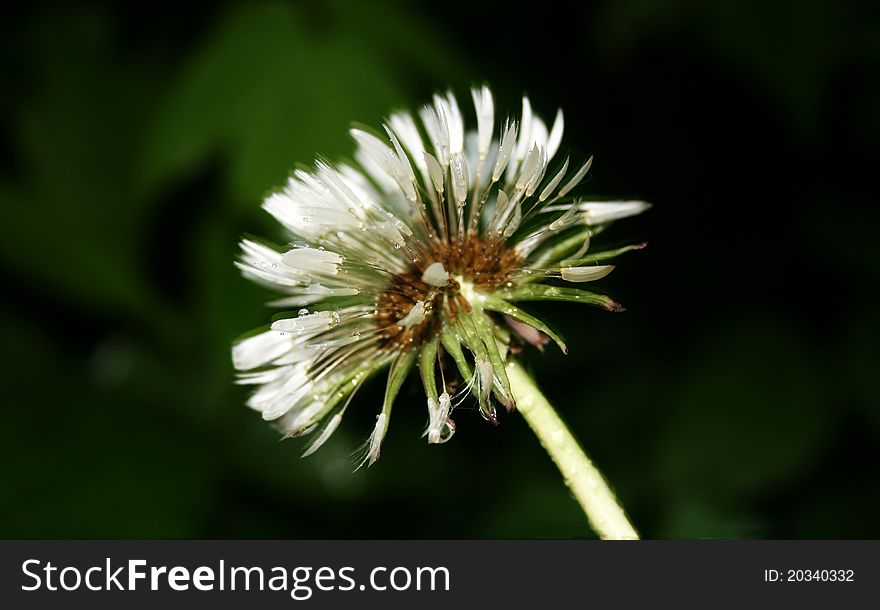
[737, 396]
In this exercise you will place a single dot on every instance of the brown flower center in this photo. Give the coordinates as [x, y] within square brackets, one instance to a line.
[486, 265]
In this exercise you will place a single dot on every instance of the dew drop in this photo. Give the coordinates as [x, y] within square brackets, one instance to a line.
[303, 312]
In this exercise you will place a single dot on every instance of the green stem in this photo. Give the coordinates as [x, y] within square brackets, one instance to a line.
[603, 511]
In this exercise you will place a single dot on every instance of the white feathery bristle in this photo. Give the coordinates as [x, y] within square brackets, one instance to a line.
[255, 252]
[530, 168]
[576, 179]
[263, 264]
[435, 170]
[307, 322]
[485, 110]
[415, 316]
[391, 231]
[508, 138]
[374, 445]
[263, 376]
[551, 186]
[433, 430]
[486, 377]
[294, 390]
[568, 218]
[312, 260]
[458, 169]
[314, 292]
[378, 152]
[454, 121]
[514, 222]
[404, 170]
[335, 184]
[539, 133]
[359, 184]
[585, 274]
[298, 420]
[502, 203]
[265, 393]
[599, 212]
[435, 275]
[525, 136]
[260, 349]
[538, 173]
[446, 402]
[297, 209]
[376, 172]
[325, 434]
[437, 126]
[438, 420]
[405, 127]
[388, 160]
[555, 137]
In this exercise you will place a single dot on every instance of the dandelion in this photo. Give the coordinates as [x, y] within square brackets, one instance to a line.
[418, 254]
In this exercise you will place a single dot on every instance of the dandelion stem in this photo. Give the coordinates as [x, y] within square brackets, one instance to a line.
[589, 487]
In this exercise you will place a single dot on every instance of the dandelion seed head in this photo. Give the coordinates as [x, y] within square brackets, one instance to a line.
[417, 255]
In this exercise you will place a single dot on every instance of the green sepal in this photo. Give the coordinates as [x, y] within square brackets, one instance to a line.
[605, 255]
[484, 328]
[543, 292]
[453, 348]
[400, 368]
[471, 338]
[427, 358]
[559, 249]
[501, 306]
[474, 342]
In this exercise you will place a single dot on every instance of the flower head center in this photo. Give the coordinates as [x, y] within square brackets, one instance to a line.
[438, 285]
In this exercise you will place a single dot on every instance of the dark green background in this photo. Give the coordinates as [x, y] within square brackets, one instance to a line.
[736, 397]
